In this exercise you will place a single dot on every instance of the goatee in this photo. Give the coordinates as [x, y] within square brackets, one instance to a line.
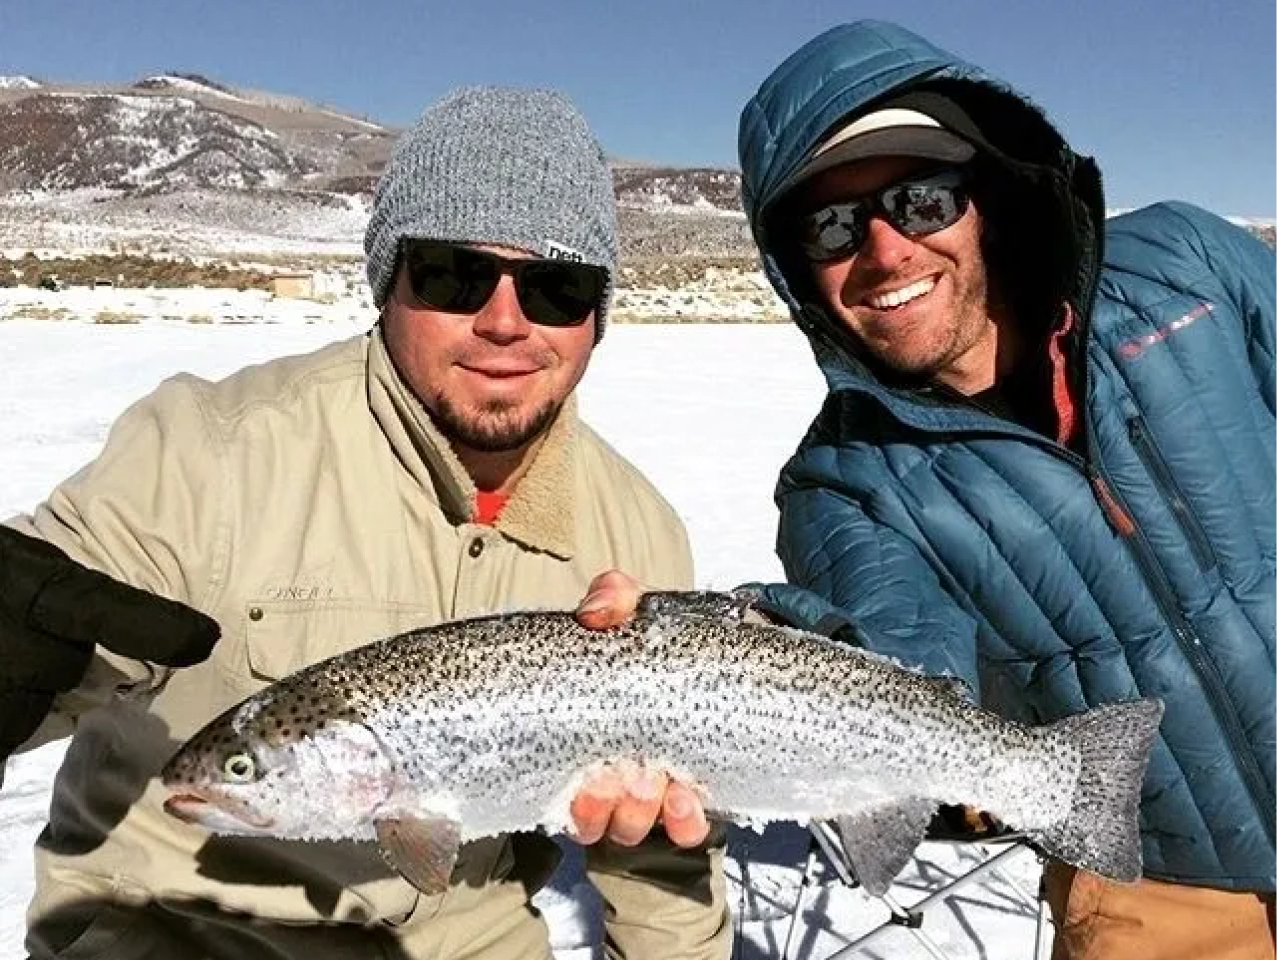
[493, 429]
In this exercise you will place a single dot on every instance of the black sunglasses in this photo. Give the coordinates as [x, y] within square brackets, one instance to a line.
[915, 207]
[460, 279]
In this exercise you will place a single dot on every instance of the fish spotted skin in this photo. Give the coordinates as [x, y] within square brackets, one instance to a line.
[488, 725]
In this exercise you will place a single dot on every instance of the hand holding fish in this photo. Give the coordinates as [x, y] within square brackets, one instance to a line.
[624, 802]
[610, 601]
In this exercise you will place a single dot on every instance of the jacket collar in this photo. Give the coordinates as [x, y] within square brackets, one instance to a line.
[542, 511]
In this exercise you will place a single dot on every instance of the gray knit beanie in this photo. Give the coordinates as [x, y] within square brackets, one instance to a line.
[516, 168]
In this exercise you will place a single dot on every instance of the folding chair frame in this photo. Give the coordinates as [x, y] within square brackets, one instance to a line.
[825, 845]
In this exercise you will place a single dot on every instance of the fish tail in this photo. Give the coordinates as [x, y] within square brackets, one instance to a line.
[1100, 833]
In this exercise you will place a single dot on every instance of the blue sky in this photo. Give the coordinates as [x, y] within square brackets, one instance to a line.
[1176, 99]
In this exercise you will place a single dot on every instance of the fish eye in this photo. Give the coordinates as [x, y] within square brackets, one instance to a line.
[239, 768]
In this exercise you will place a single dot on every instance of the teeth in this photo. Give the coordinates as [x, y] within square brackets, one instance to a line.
[897, 298]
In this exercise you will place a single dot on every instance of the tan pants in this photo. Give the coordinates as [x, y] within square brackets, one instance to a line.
[157, 933]
[1096, 919]
[120, 933]
[491, 922]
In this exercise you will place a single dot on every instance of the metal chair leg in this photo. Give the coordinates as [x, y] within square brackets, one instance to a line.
[990, 865]
[806, 881]
[825, 846]
[1044, 927]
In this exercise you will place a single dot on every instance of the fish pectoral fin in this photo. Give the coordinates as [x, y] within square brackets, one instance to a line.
[421, 849]
[878, 842]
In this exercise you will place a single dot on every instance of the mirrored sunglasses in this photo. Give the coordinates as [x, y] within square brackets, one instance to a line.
[460, 279]
[915, 207]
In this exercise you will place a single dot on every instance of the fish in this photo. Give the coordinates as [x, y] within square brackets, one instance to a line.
[489, 725]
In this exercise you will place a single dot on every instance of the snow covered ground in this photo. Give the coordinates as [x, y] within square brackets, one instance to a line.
[710, 412]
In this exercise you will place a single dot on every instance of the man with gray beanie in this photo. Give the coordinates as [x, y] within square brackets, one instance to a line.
[556, 191]
[432, 469]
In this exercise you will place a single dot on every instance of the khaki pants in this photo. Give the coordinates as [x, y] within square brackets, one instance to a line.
[483, 919]
[197, 932]
[1096, 919]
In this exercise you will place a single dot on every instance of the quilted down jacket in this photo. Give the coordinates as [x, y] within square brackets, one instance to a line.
[1138, 562]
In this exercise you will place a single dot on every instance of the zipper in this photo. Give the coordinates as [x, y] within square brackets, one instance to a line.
[1189, 642]
[1163, 478]
[1119, 518]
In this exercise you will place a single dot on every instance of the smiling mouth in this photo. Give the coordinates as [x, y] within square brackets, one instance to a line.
[902, 296]
[499, 374]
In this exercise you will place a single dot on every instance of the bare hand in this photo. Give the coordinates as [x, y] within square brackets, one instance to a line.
[624, 801]
[610, 601]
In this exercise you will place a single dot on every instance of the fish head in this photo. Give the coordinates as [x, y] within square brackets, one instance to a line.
[291, 762]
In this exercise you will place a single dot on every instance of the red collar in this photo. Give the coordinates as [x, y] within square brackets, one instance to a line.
[1064, 404]
[489, 504]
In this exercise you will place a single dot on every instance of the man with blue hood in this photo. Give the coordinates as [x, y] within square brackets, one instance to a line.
[1046, 461]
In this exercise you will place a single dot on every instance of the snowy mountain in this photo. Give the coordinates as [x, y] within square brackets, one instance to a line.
[188, 83]
[57, 141]
[177, 162]
[180, 163]
[179, 131]
[692, 189]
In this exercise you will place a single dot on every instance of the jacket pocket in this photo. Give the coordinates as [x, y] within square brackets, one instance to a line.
[283, 636]
[1162, 478]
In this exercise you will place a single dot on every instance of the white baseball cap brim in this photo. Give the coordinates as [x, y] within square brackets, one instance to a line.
[892, 132]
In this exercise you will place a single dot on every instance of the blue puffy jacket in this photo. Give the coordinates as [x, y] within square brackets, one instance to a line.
[1052, 579]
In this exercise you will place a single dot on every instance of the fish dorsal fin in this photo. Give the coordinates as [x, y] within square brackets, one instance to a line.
[694, 603]
[878, 842]
[421, 849]
[951, 687]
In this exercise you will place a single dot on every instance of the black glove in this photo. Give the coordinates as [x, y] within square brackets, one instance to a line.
[53, 611]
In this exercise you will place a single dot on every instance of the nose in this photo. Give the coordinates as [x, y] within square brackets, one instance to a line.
[502, 319]
[884, 248]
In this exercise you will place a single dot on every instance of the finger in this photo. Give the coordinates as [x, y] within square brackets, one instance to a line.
[47, 590]
[593, 805]
[638, 810]
[683, 816]
[610, 601]
[608, 578]
[85, 604]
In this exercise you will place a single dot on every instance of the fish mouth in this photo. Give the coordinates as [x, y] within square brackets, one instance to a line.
[186, 807]
[196, 809]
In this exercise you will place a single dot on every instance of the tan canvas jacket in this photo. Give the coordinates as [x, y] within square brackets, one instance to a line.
[309, 505]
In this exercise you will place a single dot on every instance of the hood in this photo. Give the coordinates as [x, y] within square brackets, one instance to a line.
[1049, 203]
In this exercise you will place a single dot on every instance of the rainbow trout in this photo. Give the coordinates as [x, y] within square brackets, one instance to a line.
[488, 725]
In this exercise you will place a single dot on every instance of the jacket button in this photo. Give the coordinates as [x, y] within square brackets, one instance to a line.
[476, 548]
[255, 613]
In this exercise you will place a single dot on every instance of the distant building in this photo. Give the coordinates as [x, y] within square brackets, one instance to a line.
[300, 286]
